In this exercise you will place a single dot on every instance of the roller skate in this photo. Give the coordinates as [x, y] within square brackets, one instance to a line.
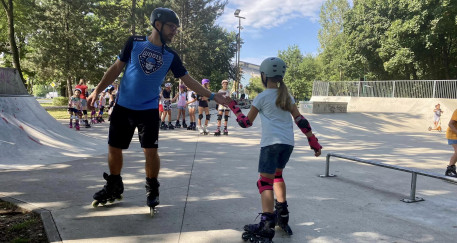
[200, 130]
[152, 191]
[262, 232]
[225, 131]
[205, 130]
[163, 126]
[77, 125]
[170, 126]
[450, 171]
[194, 127]
[111, 191]
[184, 125]
[282, 216]
[71, 124]
[190, 127]
[177, 124]
[87, 124]
[217, 132]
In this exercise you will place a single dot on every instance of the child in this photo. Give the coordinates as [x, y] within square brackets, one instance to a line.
[203, 107]
[112, 100]
[192, 103]
[182, 101]
[74, 108]
[275, 105]
[437, 115]
[223, 110]
[101, 104]
[166, 104]
[451, 135]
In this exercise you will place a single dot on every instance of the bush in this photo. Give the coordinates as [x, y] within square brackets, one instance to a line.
[60, 101]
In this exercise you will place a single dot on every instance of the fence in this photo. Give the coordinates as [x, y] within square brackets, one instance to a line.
[414, 173]
[446, 89]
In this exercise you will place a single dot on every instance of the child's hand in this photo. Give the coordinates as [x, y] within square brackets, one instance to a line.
[314, 144]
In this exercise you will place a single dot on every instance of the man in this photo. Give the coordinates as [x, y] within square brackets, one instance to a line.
[146, 61]
[83, 87]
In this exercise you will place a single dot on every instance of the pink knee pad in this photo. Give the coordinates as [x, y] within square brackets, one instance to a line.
[264, 184]
[278, 177]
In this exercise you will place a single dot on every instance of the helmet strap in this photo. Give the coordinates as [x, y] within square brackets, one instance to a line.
[160, 34]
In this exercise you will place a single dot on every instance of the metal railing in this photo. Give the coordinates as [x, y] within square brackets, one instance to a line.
[446, 89]
[414, 173]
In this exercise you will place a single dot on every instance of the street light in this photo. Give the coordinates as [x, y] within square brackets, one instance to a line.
[238, 49]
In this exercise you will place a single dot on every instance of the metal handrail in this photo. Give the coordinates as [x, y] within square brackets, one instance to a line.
[414, 173]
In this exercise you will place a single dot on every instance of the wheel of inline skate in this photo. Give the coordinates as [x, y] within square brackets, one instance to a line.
[95, 203]
[120, 197]
[246, 236]
[152, 211]
[112, 200]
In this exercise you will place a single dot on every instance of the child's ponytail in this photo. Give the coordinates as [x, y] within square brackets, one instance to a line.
[283, 99]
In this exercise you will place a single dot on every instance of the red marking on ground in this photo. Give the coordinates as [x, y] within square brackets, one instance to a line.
[36, 141]
[20, 126]
[5, 120]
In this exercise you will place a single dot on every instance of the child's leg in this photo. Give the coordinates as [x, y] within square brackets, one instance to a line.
[169, 115]
[279, 186]
[208, 116]
[453, 159]
[219, 118]
[179, 114]
[265, 185]
[226, 116]
[200, 116]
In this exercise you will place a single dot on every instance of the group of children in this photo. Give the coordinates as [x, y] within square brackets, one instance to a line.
[76, 106]
[191, 100]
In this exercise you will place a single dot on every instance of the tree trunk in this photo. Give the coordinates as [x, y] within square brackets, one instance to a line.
[10, 16]
[133, 26]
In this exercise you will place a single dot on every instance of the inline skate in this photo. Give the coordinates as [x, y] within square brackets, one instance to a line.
[71, 124]
[163, 126]
[152, 191]
[282, 216]
[217, 132]
[190, 127]
[263, 232]
[184, 125]
[111, 191]
[77, 125]
[450, 171]
[177, 124]
[225, 131]
[170, 126]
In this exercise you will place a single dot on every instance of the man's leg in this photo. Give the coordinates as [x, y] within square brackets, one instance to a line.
[115, 160]
[152, 165]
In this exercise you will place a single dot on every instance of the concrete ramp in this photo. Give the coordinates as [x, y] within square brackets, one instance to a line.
[30, 137]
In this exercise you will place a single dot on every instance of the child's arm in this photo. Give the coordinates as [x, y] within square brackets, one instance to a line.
[243, 121]
[304, 126]
[176, 96]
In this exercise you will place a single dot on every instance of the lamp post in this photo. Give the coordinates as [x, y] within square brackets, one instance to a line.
[238, 50]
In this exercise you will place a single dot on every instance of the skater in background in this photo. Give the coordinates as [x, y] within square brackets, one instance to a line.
[203, 107]
[192, 103]
[83, 87]
[223, 110]
[182, 103]
[166, 104]
[74, 108]
[451, 135]
[437, 115]
[145, 62]
[111, 100]
[101, 104]
[275, 106]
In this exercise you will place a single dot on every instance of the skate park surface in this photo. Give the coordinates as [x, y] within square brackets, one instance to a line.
[208, 184]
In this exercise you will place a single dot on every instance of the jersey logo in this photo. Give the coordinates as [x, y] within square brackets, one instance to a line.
[150, 60]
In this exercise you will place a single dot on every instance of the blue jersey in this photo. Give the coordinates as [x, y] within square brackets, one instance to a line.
[145, 70]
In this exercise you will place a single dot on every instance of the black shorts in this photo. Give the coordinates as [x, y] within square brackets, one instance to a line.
[203, 103]
[123, 123]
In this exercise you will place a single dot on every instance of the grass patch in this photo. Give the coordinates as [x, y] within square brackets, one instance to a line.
[63, 114]
[23, 225]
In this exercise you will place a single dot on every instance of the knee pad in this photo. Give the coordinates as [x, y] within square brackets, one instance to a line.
[200, 116]
[208, 117]
[278, 177]
[264, 183]
[219, 117]
[85, 112]
[226, 117]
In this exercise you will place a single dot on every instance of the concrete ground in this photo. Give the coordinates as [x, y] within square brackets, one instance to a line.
[208, 189]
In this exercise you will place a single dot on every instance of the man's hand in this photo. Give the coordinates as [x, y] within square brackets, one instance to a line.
[91, 100]
[222, 99]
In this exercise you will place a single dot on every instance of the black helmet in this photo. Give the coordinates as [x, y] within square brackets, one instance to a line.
[164, 15]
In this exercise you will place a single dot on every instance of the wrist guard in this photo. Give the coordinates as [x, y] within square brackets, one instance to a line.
[303, 124]
[314, 144]
[242, 120]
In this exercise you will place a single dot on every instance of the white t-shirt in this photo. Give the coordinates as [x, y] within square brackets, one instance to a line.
[277, 124]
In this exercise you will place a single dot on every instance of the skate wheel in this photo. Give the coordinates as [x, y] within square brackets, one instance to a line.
[120, 197]
[152, 211]
[246, 236]
[112, 200]
[103, 203]
[95, 203]
[429, 128]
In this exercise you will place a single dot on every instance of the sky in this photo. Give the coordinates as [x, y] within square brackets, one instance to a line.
[274, 25]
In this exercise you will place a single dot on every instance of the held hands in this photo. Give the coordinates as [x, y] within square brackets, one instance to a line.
[222, 99]
[242, 120]
[314, 144]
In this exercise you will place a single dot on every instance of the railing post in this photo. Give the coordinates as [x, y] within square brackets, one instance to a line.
[412, 195]
[434, 88]
[327, 167]
[358, 90]
[393, 90]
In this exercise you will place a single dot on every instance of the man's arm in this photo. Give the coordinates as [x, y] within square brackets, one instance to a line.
[199, 89]
[110, 75]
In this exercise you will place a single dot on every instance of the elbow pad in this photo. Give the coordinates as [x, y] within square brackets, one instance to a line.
[303, 124]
